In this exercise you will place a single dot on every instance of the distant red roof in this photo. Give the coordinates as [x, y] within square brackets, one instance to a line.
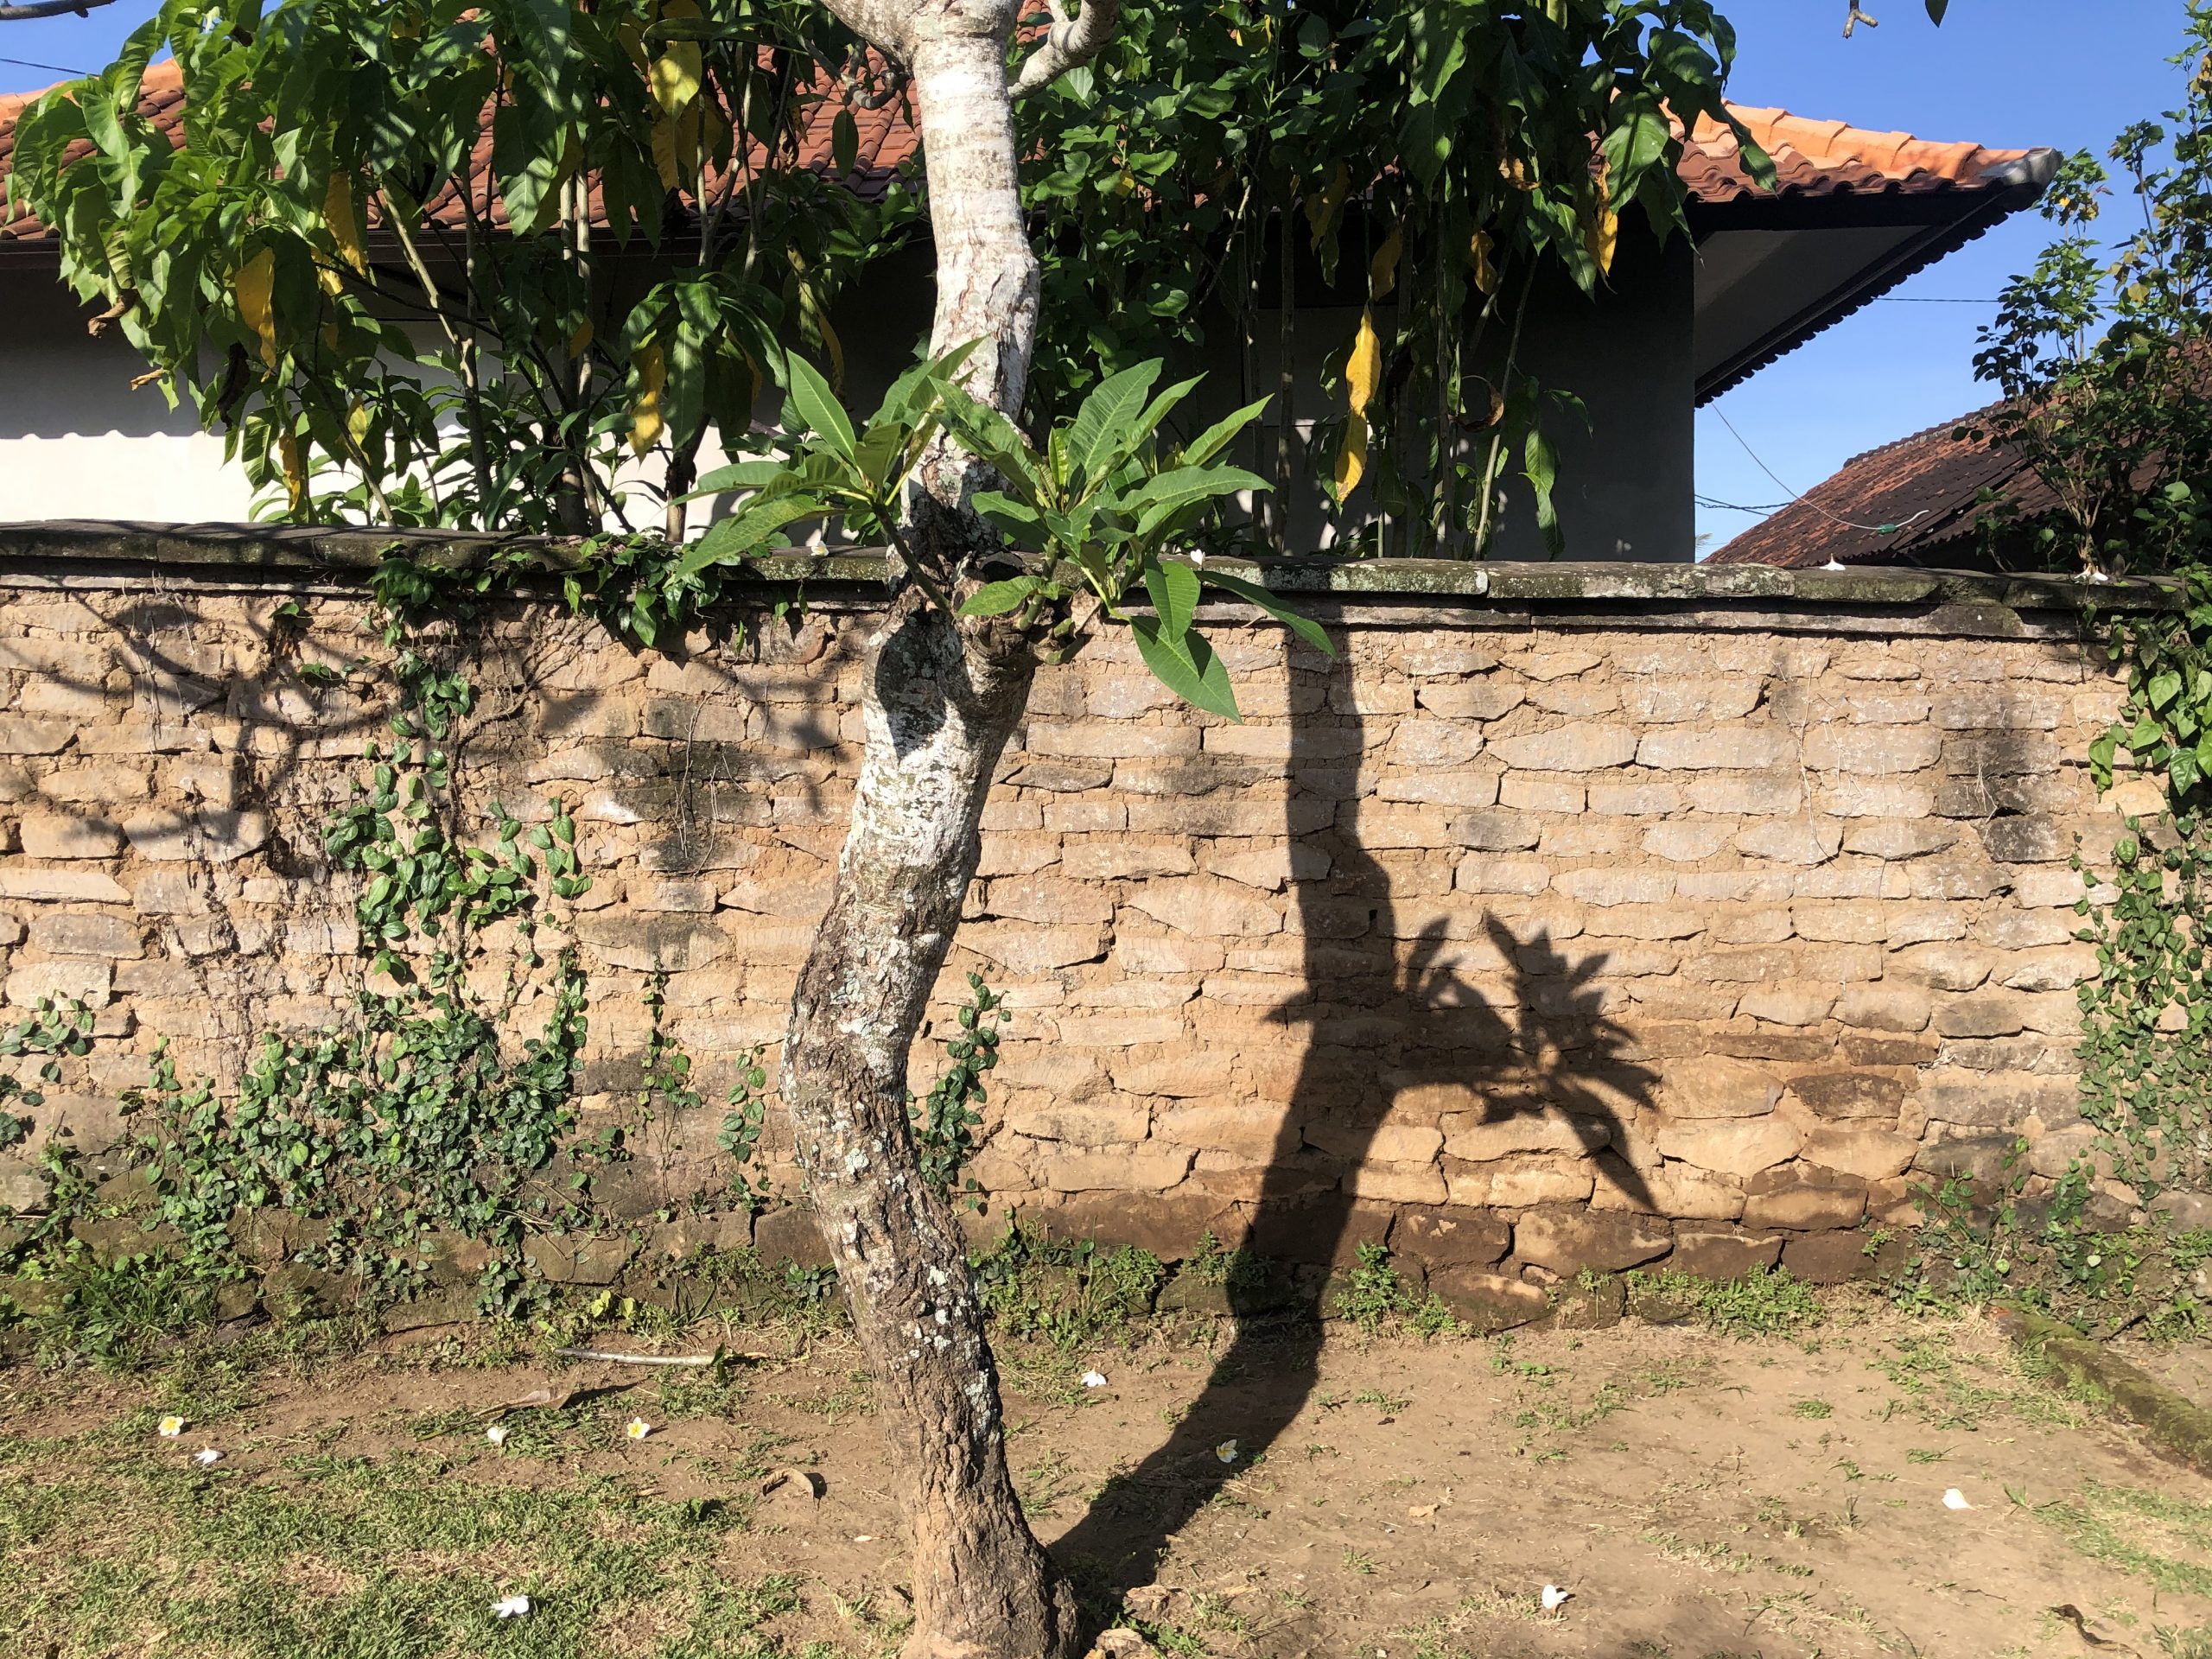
[1814, 160]
[1910, 502]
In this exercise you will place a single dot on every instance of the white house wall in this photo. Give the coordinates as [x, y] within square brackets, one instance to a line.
[75, 440]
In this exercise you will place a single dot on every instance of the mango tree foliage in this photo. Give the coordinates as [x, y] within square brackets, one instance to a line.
[1435, 155]
[373, 262]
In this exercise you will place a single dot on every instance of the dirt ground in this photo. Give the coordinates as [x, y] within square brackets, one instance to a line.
[1699, 1496]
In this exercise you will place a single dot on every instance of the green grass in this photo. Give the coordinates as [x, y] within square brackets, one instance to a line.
[1765, 1302]
[399, 1558]
[1950, 1394]
[2165, 1540]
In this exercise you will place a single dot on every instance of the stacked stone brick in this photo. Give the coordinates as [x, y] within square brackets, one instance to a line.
[1523, 937]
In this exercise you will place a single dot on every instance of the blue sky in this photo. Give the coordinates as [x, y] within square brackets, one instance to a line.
[2067, 73]
[2013, 73]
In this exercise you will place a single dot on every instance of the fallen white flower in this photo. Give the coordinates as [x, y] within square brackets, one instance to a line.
[497, 1434]
[1955, 1499]
[1226, 1451]
[639, 1429]
[170, 1427]
[1094, 1379]
[206, 1456]
[1555, 1598]
[511, 1607]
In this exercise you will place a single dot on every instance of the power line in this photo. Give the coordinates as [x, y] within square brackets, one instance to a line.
[1718, 506]
[1915, 299]
[1795, 496]
[51, 68]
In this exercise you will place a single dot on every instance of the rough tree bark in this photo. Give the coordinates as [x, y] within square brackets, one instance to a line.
[943, 694]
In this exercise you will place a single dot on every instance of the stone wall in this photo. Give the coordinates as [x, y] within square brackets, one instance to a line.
[1599, 917]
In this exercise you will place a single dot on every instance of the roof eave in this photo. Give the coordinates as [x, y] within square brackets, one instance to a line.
[1949, 219]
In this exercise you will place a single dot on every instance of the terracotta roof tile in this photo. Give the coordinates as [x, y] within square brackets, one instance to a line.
[1816, 158]
[1896, 504]
[1812, 158]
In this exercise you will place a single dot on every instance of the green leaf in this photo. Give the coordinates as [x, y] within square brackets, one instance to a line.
[997, 598]
[1018, 522]
[1175, 590]
[1188, 667]
[1252, 593]
[739, 475]
[1164, 495]
[1540, 467]
[734, 538]
[1217, 438]
[817, 407]
[991, 437]
[1108, 417]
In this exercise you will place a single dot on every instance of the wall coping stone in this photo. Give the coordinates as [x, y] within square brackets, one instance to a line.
[73, 552]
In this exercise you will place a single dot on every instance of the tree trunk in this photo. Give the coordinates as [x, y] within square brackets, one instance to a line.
[943, 694]
[938, 713]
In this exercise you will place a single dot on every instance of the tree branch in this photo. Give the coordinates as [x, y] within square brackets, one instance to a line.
[1070, 43]
[49, 8]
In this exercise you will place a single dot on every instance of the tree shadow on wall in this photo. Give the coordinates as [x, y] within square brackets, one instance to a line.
[1388, 1011]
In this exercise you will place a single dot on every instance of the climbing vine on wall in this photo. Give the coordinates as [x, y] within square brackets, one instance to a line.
[412, 1120]
[2146, 1049]
[2099, 352]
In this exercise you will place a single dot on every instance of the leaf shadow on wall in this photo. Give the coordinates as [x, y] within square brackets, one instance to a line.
[1386, 1018]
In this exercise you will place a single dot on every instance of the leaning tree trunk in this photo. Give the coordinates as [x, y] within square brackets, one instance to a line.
[942, 696]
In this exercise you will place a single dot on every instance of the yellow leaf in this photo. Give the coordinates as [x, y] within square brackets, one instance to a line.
[645, 414]
[836, 347]
[664, 152]
[296, 475]
[675, 76]
[1478, 256]
[1363, 377]
[687, 145]
[1322, 207]
[1364, 368]
[1382, 270]
[1351, 458]
[717, 133]
[1602, 228]
[357, 424]
[580, 342]
[344, 230]
[256, 279]
[1601, 233]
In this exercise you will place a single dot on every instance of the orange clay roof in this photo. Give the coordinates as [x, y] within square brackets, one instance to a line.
[1830, 157]
[1895, 505]
[1812, 158]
